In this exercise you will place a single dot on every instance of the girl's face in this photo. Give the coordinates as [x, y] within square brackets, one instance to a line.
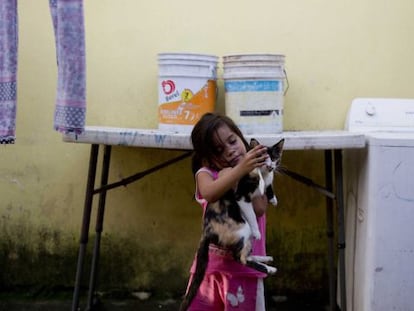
[229, 146]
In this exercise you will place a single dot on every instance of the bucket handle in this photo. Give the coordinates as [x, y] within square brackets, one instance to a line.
[214, 74]
[287, 83]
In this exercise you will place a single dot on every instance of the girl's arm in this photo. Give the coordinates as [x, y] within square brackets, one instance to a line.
[212, 190]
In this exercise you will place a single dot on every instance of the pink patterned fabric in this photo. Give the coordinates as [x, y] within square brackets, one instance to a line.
[224, 292]
[67, 16]
[8, 70]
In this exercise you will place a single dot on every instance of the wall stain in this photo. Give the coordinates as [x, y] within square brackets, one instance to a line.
[50, 261]
[154, 237]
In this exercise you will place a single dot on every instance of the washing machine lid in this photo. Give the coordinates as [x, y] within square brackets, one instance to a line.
[381, 115]
[384, 121]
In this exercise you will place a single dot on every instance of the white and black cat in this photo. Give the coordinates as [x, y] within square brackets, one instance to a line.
[231, 222]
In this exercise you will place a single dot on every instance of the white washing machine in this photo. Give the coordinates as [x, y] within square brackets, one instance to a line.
[379, 200]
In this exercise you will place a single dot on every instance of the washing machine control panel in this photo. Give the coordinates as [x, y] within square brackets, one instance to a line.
[370, 109]
[381, 114]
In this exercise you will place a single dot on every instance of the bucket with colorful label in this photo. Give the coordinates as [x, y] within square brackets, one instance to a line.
[187, 89]
[254, 91]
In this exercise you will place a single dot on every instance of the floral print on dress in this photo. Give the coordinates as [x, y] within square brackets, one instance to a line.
[237, 298]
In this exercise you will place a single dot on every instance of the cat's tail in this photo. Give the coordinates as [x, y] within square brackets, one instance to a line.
[198, 276]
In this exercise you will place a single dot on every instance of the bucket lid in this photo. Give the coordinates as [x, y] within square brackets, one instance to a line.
[264, 64]
[254, 58]
[187, 56]
[186, 62]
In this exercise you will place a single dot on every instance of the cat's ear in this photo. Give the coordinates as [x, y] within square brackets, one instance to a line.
[280, 143]
[277, 149]
[254, 143]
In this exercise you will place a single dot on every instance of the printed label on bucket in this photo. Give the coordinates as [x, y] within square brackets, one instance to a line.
[256, 106]
[254, 86]
[183, 105]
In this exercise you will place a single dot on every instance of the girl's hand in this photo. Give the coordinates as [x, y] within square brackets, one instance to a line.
[254, 158]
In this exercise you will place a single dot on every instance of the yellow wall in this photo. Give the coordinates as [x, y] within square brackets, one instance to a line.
[335, 51]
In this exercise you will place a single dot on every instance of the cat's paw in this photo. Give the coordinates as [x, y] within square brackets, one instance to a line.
[262, 259]
[256, 234]
[273, 201]
[271, 270]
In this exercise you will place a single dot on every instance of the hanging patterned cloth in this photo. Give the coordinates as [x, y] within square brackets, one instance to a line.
[8, 70]
[68, 23]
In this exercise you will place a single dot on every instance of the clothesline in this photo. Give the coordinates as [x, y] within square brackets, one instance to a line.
[69, 30]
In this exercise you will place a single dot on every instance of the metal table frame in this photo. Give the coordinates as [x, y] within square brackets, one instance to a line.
[333, 178]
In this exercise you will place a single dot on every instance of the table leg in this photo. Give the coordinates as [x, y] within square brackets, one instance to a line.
[330, 231]
[99, 227]
[341, 226]
[85, 224]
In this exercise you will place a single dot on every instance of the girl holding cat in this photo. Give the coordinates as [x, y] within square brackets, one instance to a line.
[221, 158]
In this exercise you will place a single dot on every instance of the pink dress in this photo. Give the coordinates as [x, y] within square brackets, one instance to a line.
[228, 284]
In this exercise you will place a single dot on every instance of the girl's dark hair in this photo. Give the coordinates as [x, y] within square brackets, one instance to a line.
[204, 138]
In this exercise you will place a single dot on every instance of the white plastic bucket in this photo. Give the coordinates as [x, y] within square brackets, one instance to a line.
[187, 89]
[254, 90]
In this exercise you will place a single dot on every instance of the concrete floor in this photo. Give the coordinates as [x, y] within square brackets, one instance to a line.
[60, 299]
[293, 304]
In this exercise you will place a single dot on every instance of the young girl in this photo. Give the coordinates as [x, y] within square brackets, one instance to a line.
[220, 160]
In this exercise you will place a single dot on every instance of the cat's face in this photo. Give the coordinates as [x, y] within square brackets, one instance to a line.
[275, 154]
